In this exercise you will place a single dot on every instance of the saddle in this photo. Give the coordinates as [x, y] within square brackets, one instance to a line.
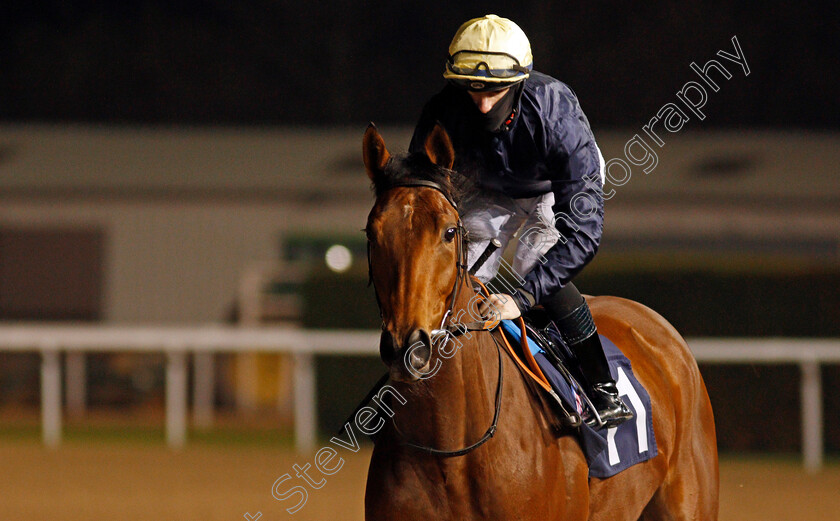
[538, 349]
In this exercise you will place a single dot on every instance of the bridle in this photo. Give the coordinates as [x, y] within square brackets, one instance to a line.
[447, 329]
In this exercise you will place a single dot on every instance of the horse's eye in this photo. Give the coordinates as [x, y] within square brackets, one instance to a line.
[449, 234]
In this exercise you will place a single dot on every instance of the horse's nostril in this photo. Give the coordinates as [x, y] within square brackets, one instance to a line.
[387, 347]
[419, 349]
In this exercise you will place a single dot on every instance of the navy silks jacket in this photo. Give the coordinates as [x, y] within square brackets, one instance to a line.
[548, 147]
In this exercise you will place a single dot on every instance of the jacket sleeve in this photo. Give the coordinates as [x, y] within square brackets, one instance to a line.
[577, 184]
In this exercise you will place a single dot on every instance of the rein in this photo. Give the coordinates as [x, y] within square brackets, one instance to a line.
[489, 433]
[450, 330]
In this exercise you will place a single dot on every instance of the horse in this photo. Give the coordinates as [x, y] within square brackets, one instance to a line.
[431, 460]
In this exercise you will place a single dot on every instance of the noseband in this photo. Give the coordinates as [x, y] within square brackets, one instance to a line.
[446, 329]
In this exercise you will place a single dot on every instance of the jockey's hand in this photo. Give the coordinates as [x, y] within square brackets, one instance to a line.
[499, 306]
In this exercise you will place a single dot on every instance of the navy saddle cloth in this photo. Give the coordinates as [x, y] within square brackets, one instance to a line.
[608, 451]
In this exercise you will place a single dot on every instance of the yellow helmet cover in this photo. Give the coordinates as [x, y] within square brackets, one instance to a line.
[489, 50]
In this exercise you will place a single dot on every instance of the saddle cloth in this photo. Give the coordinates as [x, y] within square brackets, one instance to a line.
[607, 451]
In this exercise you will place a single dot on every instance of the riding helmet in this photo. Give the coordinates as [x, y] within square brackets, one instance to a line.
[488, 53]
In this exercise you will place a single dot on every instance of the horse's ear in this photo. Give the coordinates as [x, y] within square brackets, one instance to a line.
[439, 147]
[375, 153]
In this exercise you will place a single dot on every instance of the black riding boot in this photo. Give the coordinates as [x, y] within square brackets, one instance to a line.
[579, 333]
[602, 389]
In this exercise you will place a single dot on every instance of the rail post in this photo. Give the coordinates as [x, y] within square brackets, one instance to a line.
[812, 415]
[305, 402]
[176, 397]
[51, 394]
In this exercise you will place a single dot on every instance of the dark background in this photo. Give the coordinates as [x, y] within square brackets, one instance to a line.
[346, 63]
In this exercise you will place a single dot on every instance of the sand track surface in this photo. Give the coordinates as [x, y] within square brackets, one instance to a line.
[208, 482]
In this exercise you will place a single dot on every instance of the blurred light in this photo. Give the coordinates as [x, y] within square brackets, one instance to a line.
[338, 258]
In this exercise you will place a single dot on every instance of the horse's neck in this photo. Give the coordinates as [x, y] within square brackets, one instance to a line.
[454, 407]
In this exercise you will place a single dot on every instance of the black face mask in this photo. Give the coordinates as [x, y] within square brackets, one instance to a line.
[492, 121]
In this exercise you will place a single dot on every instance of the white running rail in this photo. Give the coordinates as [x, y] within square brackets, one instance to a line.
[177, 342]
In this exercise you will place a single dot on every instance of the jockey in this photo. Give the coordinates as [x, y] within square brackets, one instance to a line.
[524, 137]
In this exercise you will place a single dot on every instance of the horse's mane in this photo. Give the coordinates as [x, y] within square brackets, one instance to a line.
[402, 168]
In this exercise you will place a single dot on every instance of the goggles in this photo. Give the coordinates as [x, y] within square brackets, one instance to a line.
[486, 64]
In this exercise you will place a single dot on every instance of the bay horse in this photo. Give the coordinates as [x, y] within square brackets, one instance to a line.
[430, 461]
